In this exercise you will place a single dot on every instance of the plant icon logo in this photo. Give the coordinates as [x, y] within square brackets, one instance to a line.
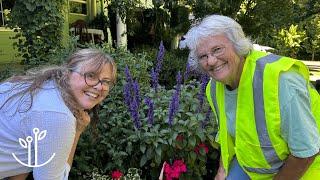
[27, 145]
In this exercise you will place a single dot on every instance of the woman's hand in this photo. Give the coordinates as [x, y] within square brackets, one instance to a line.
[221, 174]
[83, 122]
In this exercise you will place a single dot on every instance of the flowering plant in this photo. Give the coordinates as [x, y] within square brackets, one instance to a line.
[174, 119]
[132, 174]
[143, 123]
[175, 170]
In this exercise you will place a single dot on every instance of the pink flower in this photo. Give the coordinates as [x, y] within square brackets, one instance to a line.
[180, 166]
[175, 170]
[201, 145]
[116, 174]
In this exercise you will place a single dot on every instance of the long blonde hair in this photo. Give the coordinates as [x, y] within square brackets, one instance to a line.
[34, 79]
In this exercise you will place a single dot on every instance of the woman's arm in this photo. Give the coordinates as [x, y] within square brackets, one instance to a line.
[81, 126]
[60, 134]
[294, 167]
[221, 174]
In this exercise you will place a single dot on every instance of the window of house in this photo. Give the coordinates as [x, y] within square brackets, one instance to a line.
[78, 6]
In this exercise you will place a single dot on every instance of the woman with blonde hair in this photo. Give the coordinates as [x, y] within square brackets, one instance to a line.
[43, 113]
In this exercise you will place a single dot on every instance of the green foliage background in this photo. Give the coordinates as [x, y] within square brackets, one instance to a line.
[40, 26]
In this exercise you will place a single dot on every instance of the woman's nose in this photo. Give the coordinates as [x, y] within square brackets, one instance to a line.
[211, 60]
[99, 86]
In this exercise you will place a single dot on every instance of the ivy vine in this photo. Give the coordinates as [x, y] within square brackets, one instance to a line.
[39, 26]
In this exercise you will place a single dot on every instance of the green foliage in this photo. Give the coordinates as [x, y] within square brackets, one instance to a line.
[40, 33]
[174, 61]
[207, 7]
[289, 41]
[312, 28]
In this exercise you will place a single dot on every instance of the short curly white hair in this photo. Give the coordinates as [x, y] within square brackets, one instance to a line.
[215, 25]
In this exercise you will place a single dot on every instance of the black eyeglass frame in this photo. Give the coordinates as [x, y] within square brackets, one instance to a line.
[106, 85]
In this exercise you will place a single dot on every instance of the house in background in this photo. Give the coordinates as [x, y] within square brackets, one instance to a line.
[85, 10]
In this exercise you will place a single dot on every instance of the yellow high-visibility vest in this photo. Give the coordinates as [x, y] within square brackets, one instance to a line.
[258, 146]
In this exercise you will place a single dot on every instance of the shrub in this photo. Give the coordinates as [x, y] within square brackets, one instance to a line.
[143, 124]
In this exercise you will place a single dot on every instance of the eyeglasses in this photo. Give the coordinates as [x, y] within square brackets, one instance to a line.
[92, 80]
[214, 52]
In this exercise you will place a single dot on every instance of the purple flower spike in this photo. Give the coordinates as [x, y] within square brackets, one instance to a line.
[154, 79]
[187, 72]
[128, 74]
[160, 57]
[174, 103]
[132, 97]
[134, 111]
[127, 94]
[203, 83]
[150, 105]
[136, 93]
[155, 72]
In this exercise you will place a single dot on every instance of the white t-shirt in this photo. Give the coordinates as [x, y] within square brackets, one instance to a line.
[48, 113]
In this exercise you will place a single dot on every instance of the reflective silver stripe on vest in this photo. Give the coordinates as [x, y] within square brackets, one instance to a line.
[214, 99]
[259, 112]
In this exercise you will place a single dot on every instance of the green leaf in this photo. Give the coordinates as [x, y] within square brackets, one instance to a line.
[193, 156]
[192, 141]
[159, 150]
[158, 159]
[143, 160]
[143, 148]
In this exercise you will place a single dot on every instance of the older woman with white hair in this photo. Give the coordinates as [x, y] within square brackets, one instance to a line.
[43, 114]
[267, 111]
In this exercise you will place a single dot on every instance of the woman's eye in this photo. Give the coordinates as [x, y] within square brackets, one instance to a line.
[216, 50]
[91, 75]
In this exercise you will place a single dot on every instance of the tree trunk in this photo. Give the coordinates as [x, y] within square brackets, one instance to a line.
[108, 35]
[121, 32]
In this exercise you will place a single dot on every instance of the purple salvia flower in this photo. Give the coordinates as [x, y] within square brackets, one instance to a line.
[150, 105]
[187, 72]
[134, 112]
[179, 81]
[160, 57]
[128, 75]
[132, 97]
[155, 72]
[154, 79]
[173, 107]
[136, 93]
[203, 83]
[127, 94]
[174, 103]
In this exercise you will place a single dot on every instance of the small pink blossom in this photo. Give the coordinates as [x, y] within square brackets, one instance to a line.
[174, 171]
[116, 174]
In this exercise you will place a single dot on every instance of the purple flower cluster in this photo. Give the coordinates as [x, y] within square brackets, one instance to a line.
[203, 83]
[132, 97]
[150, 105]
[155, 72]
[174, 103]
[187, 72]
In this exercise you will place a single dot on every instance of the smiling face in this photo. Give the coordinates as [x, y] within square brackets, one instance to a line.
[89, 96]
[219, 59]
